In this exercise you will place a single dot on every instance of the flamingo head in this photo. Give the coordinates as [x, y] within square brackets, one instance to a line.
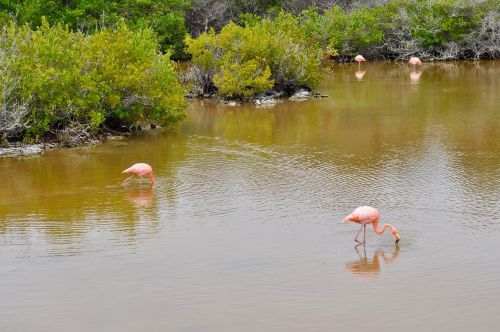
[151, 178]
[396, 235]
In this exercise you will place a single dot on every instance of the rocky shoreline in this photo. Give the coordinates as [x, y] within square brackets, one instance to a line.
[17, 149]
[266, 99]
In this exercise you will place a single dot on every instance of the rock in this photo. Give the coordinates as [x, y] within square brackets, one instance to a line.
[192, 95]
[114, 137]
[232, 103]
[301, 95]
[277, 94]
[319, 95]
[274, 93]
[22, 150]
[265, 102]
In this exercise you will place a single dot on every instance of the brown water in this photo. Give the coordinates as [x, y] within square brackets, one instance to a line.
[242, 232]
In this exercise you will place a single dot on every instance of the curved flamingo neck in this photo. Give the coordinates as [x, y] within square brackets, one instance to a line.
[384, 227]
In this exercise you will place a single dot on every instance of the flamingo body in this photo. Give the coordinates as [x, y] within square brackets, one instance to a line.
[414, 61]
[365, 215]
[359, 58]
[140, 169]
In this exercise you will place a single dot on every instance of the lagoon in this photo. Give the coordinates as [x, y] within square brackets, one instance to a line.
[242, 230]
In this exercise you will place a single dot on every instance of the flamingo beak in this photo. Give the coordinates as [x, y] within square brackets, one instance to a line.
[397, 238]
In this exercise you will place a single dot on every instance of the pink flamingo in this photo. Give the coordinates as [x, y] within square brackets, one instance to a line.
[414, 61]
[367, 215]
[359, 58]
[140, 169]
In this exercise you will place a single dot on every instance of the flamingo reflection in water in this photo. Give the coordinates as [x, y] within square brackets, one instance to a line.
[370, 268]
[415, 76]
[360, 74]
[141, 198]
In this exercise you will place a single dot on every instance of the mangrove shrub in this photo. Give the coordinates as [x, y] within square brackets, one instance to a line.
[165, 17]
[246, 60]
[431, 29]
[70, 80]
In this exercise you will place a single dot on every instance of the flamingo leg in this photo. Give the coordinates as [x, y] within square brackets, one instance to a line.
[356, 238]
[364, 234]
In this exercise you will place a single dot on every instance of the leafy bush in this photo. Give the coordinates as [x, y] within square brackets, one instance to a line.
[113, 77]
[484, 40]
[206, 14]
[365, 27]
[435, 23]
[435, 29]
[338, 32]
[243, 78]
[165, 17]
[328, 31]
[241, 61]
[439, 29]
[12, 110]
[431, 29]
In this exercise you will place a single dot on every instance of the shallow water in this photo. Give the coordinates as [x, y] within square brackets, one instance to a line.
[242, 232]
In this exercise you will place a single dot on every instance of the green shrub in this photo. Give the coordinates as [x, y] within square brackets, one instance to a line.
[438, 29]
[12, 109]
[437, 22]
[365, 27]
[243, 79]
[165, 17]
[112, 77]
[327, 31]
[241, 61]
[293, 59]
[432, 29]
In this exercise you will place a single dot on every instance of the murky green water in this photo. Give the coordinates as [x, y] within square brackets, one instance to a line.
[242, 232]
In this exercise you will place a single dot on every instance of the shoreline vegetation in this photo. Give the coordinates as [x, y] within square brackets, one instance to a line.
[74, 72]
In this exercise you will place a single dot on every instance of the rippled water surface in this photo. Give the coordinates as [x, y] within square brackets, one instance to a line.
[242, 231]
